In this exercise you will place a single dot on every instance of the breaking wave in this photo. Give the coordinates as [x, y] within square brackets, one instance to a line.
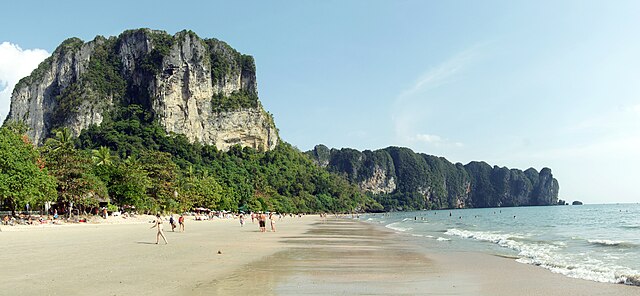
[546, 255]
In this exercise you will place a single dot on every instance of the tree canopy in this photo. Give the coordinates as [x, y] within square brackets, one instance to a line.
[130, 161]
[23, 176]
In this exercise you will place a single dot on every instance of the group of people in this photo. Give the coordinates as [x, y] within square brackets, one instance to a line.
[262, 221]
[172, 222]
[261, 217]
[26, 220]
[158, 224]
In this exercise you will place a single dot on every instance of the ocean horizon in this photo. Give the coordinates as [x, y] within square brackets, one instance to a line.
[597, 242]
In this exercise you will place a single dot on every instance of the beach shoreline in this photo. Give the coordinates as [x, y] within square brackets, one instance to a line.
[494, 274]
[349, 257]
[122, 258]
[306, 256]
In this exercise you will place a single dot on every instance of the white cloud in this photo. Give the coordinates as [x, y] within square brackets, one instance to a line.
[15, 63]
[434, 140]
[621, 148]
[428, 138]
[441, 73]
[622, 120]
[411, 106]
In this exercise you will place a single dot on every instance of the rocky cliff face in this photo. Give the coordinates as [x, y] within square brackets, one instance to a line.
[201, 88]
[402, 179]
[372, 171]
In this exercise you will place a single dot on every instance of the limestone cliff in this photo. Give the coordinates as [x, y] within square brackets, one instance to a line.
[402, 179]
[201, 88]
[373, 171]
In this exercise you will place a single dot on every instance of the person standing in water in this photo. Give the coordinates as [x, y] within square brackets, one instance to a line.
[158, 224]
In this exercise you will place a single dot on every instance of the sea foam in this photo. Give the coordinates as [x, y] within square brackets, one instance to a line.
[599, 272]
[608, 243]
[545, 255]
[396, 226]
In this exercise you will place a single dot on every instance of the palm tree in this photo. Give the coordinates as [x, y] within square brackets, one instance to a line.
[132, 161]
[101, 156]
[62, 139]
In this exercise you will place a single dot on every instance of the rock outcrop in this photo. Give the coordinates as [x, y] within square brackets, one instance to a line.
[402, 179]
[201, 88]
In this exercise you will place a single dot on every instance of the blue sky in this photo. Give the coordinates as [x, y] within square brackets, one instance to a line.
[526, 84]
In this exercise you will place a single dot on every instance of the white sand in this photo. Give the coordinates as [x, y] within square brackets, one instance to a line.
[121, 259]
[305, 257]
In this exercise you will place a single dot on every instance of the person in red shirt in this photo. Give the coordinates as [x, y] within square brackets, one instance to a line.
[181, 222]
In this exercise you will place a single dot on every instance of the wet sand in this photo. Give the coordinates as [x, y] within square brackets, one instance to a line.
[344, 257]
[305, 257]
[341, 257]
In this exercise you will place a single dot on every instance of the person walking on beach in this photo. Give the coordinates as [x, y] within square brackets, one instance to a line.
[241, 217]
[172, 222]
[158, 224]
[273, 222]
[181, 222]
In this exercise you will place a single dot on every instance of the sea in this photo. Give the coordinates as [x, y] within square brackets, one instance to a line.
[593, 242]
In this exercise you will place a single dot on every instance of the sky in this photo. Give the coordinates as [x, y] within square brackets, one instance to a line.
[513, 83]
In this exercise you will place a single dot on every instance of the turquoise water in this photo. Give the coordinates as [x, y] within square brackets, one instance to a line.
[593, 242]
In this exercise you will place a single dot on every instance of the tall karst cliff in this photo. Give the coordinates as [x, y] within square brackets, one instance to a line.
[401, 179]
[201, 88]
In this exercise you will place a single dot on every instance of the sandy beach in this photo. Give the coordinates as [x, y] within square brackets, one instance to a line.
[122, 258]
[306, 256]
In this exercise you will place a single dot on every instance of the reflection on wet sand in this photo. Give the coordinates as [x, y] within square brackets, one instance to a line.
[338, 257]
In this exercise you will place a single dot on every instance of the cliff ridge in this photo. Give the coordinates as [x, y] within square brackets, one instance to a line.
[201, 88]
[401, 179]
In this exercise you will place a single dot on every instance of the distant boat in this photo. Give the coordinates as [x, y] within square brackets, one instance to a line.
[576, 203]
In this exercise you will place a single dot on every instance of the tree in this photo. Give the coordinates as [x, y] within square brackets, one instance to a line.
[163, 173]
[101, 156]
[17, 127]
[62, 139]
[23, 179]
[128, 184]
[72, 169]
[204, 191]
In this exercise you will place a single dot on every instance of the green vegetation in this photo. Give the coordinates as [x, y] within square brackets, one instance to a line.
[320, 154]
[103, 82]
[236, 100]
[130, 160]
[161, 42]
[23, 177]
[72, 169]
[430, 182]
[68, 46]
[225, 60]
[153, 170]
[247, 64]
[100, 84]
[37, 74]
[103, 72]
